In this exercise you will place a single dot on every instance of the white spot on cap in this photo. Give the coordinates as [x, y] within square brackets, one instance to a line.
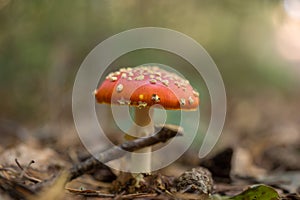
[139, 78]
[182, 101]
[157, 73]
[130, 74]
[95, 92]
[119, 87]
[152, 81]
[124, 75]
[113, 78]
[165, 82]
[191, 100]
[142, 104]
[158, 78]
[155, 98]
[121, 101]
[196, 94]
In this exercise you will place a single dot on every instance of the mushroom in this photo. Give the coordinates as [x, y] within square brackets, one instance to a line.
[143, 87]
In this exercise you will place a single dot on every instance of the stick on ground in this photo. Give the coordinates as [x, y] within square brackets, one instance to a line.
[166, 132]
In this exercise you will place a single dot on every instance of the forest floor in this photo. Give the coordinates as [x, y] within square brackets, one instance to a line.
[257, 157]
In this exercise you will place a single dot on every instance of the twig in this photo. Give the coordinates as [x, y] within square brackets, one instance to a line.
[15, 189]
[165, 133]
[165, 192]
[95, 193]
[26, 168]
[19, 165]
[24, 171]
[138, 195]
[90, 193]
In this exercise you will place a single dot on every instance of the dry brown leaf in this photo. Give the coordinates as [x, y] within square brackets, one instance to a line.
[56, 191]
[191, 196]
[243, 164]
[4, 197]
[24, 154]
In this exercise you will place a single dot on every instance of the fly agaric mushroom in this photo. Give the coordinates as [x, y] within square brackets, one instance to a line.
[143, 87]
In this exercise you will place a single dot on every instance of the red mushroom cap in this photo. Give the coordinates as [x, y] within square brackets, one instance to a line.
[146, 86]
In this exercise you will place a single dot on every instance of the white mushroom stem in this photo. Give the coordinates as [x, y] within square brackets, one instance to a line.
[143, 127]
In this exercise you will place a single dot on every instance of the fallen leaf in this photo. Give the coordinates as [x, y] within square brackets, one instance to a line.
[261, 192]
[43, 157]
[289, 181]
[243, 164]
[56, 191]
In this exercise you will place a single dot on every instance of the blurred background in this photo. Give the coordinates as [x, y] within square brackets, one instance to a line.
[255, 44]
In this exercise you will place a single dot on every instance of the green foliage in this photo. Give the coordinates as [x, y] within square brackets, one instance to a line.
[257, 192]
